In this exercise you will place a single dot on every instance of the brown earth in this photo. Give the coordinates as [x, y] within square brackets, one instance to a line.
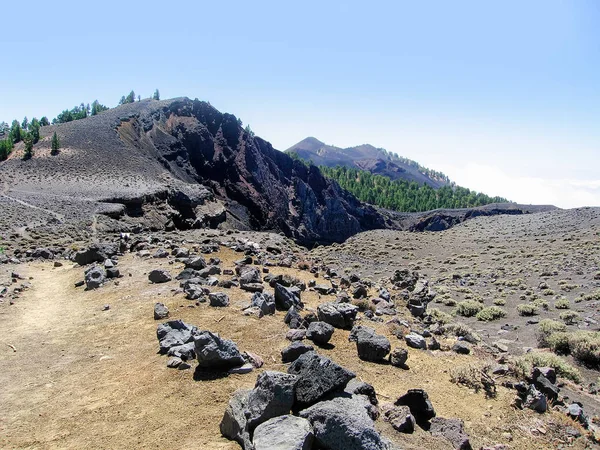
[85, 378]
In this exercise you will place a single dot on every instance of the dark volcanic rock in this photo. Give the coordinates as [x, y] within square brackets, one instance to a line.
[319, 332]
[159, 276]
[214, 352]
[340, 315]
[317, 377]
[452, 430]
[294, 350]
[95, 253]
[272, 396]
[95, 277]
[343, 423]
[418, 402]
[283, 433]
[286, 297]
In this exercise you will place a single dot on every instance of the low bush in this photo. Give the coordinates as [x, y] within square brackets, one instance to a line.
[500, 302]
[526, 309]
[524, 364]
[569, 317]
[490, 313]
[439, 316]
[562, 303]
[546, 328]
[468, 308]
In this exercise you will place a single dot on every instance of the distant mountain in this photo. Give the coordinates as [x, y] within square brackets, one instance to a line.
[378, 161]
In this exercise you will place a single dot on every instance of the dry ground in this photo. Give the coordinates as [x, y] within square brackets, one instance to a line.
[86, 378]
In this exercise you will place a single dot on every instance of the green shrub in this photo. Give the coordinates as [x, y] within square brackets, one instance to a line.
[500, 302]
[490, 313]
[546, 328]
[569, 317]
[527, 309]
[542, 359]
[562, 303]
[449, 302]
[559, 342]
[461, 330]
[539, 303]
[585, 346]
[468, 308]
[439, 316]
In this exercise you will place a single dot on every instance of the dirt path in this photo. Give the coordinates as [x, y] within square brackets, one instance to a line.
[86, 378]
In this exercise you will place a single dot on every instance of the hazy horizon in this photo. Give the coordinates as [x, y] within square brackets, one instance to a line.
[502, 98]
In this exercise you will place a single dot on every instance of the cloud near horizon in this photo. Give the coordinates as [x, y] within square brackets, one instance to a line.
[564, 193]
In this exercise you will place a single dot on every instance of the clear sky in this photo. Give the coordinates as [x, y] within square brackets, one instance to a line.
[501, 96]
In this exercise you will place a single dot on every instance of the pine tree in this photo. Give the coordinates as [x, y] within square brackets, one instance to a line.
[15, 131]
[44, 121]
[28, 141]
[25, 124]
[34, 128]
[55, 144]
[156, 95]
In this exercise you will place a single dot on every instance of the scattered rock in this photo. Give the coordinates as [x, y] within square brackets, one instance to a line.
[286, 297]
[218, 299]
[294, 350]
[265, 302]
[414, 340]
[418, 402]
[462, 348]
[160, 311]
[401, 419]
[339, 315]
[399, 357]
[214, 352]
[343, 423]
[319, 332]
[272, 396]
[452, 430]
[95, 277]
[159, 276]
[284, 433]
[234, 425]
[317, 377]
[174, 333]
[295, 334]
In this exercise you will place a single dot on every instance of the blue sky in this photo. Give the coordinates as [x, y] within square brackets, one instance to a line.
[503, 97]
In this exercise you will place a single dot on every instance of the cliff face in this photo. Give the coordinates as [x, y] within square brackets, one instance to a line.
[199, 144]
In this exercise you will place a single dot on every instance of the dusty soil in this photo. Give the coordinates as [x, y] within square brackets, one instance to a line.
[84, 377]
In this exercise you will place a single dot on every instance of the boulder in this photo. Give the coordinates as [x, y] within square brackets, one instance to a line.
[547, 388]
[43, 253]
[95, 253]
[295, 334]
[95, 277]
[319, 332]
[284, 433]
[286, 297]
[323, 289]
[370, 345]
[196, 263]
[174, 333]
[272, 396]
[462, 348]
[159, 276]
[373, 348]
[339, 315]
[418, 402]
[234, 425]
[414, 340]
[214, 352]
[265, 302]
[317, 377]
[535, 400]
[248, 275]
[218, 299]
[343, 424]
[160, 311]
[399, 357]
[186, 352]
[293, 318]
[294, 350]
[194, 292]
[401, 419]
[452, 430]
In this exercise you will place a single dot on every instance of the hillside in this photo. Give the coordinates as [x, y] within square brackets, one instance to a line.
[177, 164]
[366, 157]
